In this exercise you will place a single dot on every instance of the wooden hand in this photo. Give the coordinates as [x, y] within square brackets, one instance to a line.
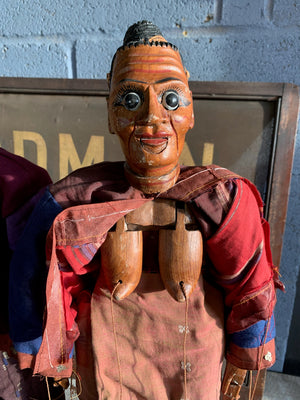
[63, 382]
[232, 382]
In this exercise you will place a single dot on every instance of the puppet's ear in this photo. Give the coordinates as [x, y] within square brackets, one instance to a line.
[192, 120]
[109, 123]
[108, 113]
[187, 74]
[108, 79]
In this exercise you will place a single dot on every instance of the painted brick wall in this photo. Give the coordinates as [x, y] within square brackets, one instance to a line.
[223, 40]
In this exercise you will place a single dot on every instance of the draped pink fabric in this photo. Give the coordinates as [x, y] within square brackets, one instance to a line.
[74, 226]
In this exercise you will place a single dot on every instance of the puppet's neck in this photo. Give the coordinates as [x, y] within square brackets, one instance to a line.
[152, 184]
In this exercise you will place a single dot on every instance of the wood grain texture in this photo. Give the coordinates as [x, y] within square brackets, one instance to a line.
[121, 260]
[180, 258]
[282, 168]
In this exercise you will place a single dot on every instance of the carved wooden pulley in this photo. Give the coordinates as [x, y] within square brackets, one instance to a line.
[180, 258]
[122, 259]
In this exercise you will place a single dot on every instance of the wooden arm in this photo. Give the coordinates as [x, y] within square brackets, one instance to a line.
[232, 382]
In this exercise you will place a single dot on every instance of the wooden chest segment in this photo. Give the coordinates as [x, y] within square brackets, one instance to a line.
[179, 249]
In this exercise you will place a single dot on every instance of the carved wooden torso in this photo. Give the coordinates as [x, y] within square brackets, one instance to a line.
[161, 234]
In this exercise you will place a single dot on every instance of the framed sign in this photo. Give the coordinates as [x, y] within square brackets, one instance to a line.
[249, 128]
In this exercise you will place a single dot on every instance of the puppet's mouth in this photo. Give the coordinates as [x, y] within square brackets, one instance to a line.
[154, 145]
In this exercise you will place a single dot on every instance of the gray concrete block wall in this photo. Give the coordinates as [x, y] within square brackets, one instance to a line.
[234, 39]
[223, 40]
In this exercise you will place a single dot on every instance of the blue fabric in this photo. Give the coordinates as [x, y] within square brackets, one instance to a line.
[29, 347]
[32, 346]
[254, 336]
[28, 273]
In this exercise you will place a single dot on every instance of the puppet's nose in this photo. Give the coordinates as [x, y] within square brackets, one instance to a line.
[152, 110]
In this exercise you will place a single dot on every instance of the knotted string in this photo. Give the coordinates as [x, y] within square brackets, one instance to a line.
[115, 339]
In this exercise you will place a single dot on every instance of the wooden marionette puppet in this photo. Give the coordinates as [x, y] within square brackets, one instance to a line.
[152, 326]
[150, 108]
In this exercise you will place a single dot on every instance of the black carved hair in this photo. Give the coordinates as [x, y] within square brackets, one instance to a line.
[139, 34]
[140, 31]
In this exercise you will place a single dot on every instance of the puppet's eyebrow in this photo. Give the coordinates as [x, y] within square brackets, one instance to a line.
[168, 79]
[132, 80]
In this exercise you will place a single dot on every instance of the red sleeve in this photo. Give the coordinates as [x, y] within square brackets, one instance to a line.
[242, 264]
[254, 358]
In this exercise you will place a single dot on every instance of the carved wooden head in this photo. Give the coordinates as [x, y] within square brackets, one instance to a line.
[150, 107]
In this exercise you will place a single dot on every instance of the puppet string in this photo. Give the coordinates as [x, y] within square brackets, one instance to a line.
[250, 384]
[251, 395]
[184, 339]
[48, 390]
[115, 339]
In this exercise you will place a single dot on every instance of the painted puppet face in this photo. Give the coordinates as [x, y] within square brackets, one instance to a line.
[150, 108]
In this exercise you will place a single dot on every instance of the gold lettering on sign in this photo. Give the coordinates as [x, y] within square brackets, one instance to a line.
[208, 154]
[68, 154]
[186, 157]
[19, 138]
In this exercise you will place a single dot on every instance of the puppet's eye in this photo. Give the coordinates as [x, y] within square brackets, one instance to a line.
[132, 101]
[170, 100]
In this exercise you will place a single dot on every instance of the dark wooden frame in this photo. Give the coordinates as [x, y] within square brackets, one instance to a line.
[287, 98]
[285, 95]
